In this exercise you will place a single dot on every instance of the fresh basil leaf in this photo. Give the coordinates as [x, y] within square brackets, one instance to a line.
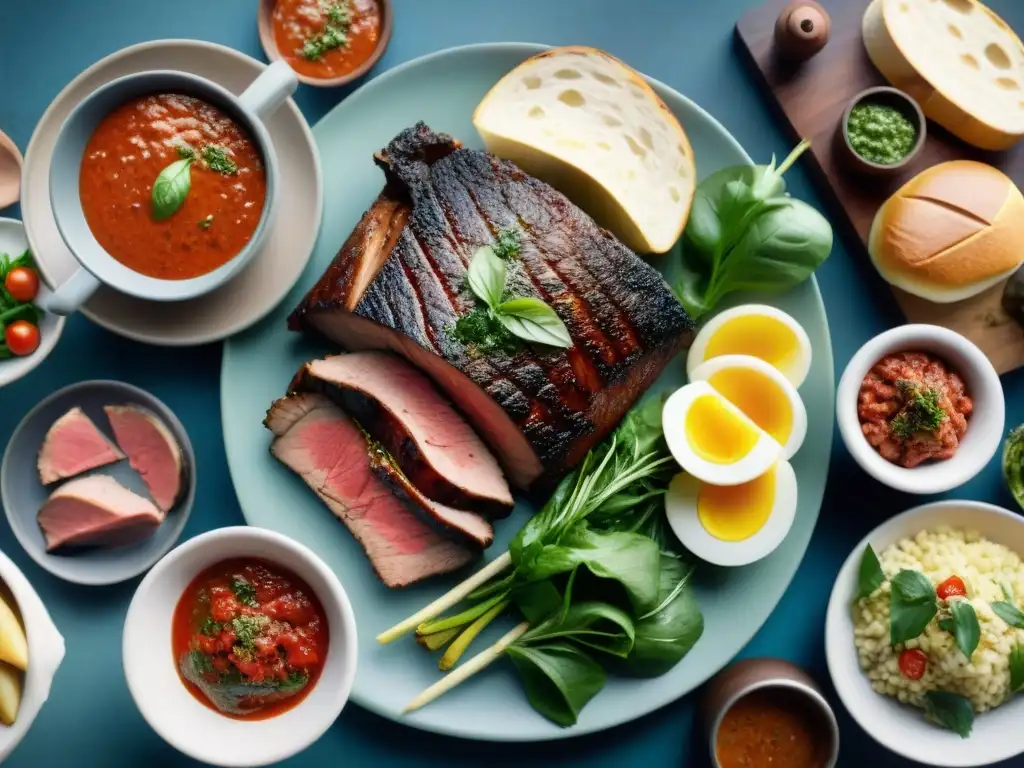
[171, 188]
[25, 260]
[1007, 592]
[950, 710]
[1009, 613]
[870, 576]
[595, 624]
[559, 679]
[486, 276]
[1016, 668]
[5, 265]
[966, 630]
[912, 604]
[532, 320]
[5, 352]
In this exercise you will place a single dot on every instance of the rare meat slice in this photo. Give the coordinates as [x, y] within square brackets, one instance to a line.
[399, 284]
[96, 511]
[73, 445]
[320, 443]
[152, 452]
[432, 444]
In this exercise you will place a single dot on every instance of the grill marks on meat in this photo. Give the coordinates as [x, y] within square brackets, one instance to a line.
[329, 451]
[553, 405]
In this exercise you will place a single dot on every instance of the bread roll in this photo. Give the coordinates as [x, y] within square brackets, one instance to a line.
[951, 232]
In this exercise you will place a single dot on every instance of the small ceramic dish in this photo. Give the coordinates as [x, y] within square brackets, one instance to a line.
[889, 97]
[783, 681]
[22, 493]
[265, 20]
[174, 713]
[984, 426]
[996, 734]
[45, 652]
[14, 243]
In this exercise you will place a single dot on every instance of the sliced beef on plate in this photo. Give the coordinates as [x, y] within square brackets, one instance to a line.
[399, 284]
[73, 445]
[152, 451]
[432, 444]
[96, 511]
[320, 443]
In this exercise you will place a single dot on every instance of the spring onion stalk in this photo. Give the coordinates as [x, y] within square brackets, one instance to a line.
[467, 670]
[460, 619]
[457, 648]
[437, 640]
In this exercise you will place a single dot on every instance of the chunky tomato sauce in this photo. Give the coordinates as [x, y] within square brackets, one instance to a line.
[768, 729]
[221, 208]
[249, 639]
[913, 408]
[325, 38]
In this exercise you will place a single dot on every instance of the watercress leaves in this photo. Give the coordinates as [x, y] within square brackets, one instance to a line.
[1009, 613]
[486, 276]
[559, 679]
[912, 604]
[950, 710]
[965, 626]
[532, 320]
[870, 576]
[171, 188]
[1016, 668]
[595, 624]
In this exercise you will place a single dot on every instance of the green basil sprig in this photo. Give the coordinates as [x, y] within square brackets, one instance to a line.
[171, 188]
[1016, 668]
[912, 604]
[870, 576]
[965, 626]
[1009, 613]
[950, 710]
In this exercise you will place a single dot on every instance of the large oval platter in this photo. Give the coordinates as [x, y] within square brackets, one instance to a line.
[442, 89]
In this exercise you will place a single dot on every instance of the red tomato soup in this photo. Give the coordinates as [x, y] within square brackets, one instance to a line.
[326, 38]
[249, 639]
[210, 210]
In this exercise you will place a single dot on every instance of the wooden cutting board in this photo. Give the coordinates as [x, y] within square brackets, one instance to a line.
[812, 97]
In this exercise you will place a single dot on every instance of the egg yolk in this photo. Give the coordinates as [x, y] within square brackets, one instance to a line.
[764, 401]
[716, 433]
[758, 336]
[736, 512]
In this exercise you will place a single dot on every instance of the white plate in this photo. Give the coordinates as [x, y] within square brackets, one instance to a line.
[997, 734]
[273, 271]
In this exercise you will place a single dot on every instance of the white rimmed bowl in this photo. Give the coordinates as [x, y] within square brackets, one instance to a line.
[190, 726]
[984, 427]
[45, 653]
[997, 734]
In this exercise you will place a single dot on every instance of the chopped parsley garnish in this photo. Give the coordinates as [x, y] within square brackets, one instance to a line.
[334, 34]
[245, 592]
[248, 628]
[205, 223]
[185, 152]
[217, 159]
[921, 410]
[210, 627]
[506, 243]
[202, 663]
[482, 334]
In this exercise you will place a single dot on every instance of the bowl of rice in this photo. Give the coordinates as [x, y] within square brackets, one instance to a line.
[924, 634]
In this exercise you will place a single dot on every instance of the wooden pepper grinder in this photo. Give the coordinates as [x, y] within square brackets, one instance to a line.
[802, 30]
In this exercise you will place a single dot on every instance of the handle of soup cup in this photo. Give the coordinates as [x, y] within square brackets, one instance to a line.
[74, 292]
[270, 90]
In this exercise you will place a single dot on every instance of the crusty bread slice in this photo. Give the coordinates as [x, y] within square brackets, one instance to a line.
[591, 127]
[961, 62]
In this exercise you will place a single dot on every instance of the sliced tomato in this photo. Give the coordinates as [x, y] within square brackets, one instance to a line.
[22, 283]
[951, 587]
[913, 663]
[22, 338]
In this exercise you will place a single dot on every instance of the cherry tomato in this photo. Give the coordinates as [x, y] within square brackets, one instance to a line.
[951, 587]
[913, 663]
[22, 337]
[22, 283]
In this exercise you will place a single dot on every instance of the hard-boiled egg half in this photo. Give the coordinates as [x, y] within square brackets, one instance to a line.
[759, 331]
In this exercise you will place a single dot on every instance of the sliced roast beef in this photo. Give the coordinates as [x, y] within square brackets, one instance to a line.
[402, 410]
[96, 511]
[73, 445]
[328, 450]
[152, 451]
[399, 284]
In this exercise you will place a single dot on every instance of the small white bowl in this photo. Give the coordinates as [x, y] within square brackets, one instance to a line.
[997, 734]
[172, 711]
[984, 427]
[45, 653]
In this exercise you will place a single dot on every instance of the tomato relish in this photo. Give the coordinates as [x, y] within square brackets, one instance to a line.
[249, 638]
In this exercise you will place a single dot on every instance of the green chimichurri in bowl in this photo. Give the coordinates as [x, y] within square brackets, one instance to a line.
[882, 129]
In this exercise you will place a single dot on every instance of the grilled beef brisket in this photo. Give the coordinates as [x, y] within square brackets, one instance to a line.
[398, 284]
[433, 446]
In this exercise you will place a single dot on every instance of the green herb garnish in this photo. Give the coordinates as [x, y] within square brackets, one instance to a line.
[921, 410]
[171, 188]
[217, 159]
[950, 710]
[912, 604]
[481, 334]
[245, 592]
[507, 244]
[334, 34]
[966, 631]
[248, 628]
[209, 627]
[205, 223]
[1009, 613]
[186, 152]
[1016, 668]
[870, 576]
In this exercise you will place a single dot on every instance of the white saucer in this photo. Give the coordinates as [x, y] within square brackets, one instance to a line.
[273, 271]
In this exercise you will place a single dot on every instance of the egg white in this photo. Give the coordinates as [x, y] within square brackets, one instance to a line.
[796, 371]
[705, 370]
[764, 453]
[681, 513]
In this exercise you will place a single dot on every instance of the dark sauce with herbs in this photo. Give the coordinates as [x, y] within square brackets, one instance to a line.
[249, 639]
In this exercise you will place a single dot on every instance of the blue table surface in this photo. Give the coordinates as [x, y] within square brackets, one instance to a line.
[90, 720]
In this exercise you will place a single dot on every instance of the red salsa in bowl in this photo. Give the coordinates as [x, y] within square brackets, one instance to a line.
[327, 39]
[249, 638]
